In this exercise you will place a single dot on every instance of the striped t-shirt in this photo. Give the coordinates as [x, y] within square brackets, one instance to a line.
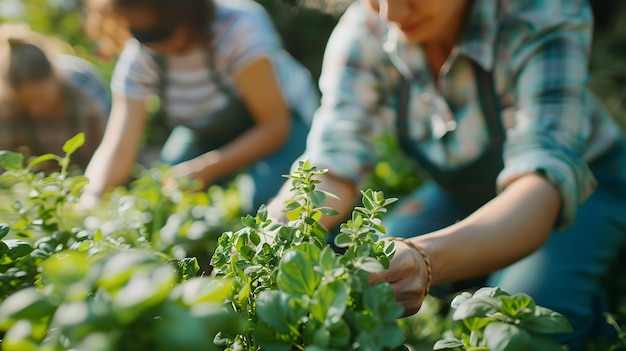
[242, 33]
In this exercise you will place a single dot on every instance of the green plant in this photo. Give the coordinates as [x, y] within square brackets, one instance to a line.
[297, 293]
[492, 319]
[128, 300]
[39, 214]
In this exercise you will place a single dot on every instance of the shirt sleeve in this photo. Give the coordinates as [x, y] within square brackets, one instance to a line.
[547, 43]
[248, 36]
[136, 73]
[343, 127]
[83, 75]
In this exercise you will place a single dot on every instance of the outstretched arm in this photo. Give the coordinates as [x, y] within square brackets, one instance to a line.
[509, 227]
[111, 163]
[262, 95]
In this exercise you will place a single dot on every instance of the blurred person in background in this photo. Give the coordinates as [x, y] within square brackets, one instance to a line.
[47, 96]
[235, 99]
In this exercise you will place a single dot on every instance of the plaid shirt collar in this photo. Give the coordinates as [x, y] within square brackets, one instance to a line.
[477, 42]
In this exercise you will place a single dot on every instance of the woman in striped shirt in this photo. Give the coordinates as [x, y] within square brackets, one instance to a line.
[235, 98]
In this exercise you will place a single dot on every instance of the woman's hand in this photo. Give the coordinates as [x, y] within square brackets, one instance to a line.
[408, 275]
[194, 169]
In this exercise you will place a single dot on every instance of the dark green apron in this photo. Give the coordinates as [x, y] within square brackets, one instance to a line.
[223, 125]
[475, 183]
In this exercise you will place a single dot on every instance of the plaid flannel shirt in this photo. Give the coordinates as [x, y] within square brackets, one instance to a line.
[90, 99]
[537, 52]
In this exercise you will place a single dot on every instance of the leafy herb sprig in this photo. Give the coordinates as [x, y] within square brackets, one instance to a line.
[296, 291]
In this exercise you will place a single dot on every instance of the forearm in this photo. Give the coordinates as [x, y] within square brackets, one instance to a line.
[255, 144]
[509, 227]
[108, 168]
[111, 163]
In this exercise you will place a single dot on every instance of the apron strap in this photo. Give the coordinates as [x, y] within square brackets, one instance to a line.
[490, 105]
[476, 179]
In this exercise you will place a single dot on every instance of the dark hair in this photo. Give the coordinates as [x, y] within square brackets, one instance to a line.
[194, 14]
[27, 63]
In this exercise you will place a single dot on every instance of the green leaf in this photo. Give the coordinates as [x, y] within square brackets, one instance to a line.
[343, 240]
[272, 308]
[546, 321]
[27, 304]
[447, 344]
[458, 299]
[195, 329]
[4, 248]
[490, 292]
[507, 337]
[369, 264]
[339, 335]
[327, 259]
[317, 198]
[199, 290]
[476, 323]
[268, 338]
[4, 230]
[321, 338]
[66, 268]
[296, 273]
[544, 343]
[367, 200]
[18, 248]
[74, 143]
[145, 289]
[292, 205]
[11, 161]
[329, 302]
[328, 211]
[476, 307]
[517, 306]
[41, 159]
[120, 267]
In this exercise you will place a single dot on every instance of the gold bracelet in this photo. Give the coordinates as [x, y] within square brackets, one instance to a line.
[424, 256]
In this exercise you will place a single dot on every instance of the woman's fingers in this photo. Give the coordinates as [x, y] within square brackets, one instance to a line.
[406, 277]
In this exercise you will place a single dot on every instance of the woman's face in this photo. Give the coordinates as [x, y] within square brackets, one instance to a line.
[422, 21]
[40, 99]
[145, 26]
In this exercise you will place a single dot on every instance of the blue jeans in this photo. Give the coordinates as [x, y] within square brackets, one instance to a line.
[563, 275]
[262, 180]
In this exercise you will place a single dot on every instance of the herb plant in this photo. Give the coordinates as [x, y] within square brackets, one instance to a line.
[297, 293]
[495, 320]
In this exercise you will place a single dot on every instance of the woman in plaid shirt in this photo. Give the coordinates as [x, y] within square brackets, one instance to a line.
[527, 170]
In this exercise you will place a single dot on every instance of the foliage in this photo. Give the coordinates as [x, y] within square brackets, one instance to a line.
[127, 300]
[65, 286]
[296, 291]
[492, 319]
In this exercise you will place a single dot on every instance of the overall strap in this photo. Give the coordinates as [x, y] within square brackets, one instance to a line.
[162, 84]
[474, 183]
[489, 103]
[214, 76]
